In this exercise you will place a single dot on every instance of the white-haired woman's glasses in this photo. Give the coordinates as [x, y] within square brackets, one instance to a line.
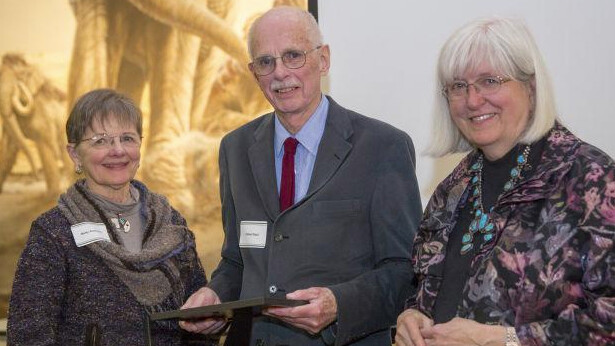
[483, 86]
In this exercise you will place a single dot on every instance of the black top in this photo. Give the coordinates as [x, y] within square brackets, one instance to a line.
[457, 266]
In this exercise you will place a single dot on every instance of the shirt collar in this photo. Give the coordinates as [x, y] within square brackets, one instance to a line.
[309, 135]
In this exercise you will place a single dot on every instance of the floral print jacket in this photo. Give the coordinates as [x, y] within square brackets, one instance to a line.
[550, 272]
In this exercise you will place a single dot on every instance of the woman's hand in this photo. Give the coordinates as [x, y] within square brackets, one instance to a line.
[410, 325]
[202, 297]
[461, 331]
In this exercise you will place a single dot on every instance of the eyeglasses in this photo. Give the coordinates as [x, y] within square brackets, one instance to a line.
[292, 59]
[483, 86]
[105, 141]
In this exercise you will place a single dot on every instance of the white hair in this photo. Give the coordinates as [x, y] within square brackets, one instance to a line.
[508, 46]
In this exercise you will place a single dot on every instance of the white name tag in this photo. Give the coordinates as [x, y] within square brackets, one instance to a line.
[253, 234]
[89, 232]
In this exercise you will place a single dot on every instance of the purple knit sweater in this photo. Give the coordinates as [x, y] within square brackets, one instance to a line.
[60, 289]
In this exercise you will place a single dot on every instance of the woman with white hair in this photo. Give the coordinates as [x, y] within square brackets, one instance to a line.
[516, 244]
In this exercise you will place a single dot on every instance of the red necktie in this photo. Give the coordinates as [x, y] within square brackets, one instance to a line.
[287, 185]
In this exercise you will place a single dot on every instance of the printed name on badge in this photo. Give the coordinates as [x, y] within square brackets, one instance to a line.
[89, 232]
[253, 234]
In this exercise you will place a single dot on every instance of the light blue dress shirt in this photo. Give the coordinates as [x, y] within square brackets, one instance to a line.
[309, 139]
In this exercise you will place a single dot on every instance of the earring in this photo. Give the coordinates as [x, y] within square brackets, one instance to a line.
[78, 169]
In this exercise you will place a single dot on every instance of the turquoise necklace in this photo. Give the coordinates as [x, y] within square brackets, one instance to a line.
[482, 223]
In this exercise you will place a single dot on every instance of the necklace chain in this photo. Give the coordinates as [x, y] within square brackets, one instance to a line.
[482, 222]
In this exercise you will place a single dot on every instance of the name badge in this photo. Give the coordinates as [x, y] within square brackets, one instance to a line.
[89, 232]
[253, 234]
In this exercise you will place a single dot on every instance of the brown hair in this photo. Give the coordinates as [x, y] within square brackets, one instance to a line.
[97, 106]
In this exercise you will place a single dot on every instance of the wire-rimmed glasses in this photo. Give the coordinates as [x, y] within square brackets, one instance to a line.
[293, 59]
[106, 141]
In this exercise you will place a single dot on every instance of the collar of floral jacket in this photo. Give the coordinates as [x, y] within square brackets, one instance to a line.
[556, 161]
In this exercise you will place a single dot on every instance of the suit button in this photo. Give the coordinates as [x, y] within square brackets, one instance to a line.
[278, 237]
[273, 289]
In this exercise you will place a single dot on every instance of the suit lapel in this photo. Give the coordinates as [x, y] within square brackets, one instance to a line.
[333, 148]
[263, 166]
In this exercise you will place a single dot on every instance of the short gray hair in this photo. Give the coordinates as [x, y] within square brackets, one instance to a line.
[305, 18]
[97, 106]
[508, 46]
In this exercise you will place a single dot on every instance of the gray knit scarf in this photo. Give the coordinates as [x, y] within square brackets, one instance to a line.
[151, 275]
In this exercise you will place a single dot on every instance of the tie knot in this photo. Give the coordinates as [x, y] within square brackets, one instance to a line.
[290, 145]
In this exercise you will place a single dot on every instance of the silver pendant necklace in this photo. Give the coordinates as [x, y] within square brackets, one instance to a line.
[121, 223]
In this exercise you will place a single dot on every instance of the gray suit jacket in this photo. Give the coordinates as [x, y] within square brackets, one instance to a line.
[352, 232]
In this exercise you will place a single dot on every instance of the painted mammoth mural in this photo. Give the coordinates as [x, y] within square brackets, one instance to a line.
[131, 44]
[32, 109]
[195, 64]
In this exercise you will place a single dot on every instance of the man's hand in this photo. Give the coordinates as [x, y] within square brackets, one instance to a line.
[410, 325]
[203, 297]
[312, 317]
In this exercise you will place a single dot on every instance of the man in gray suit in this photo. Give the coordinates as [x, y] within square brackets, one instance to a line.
[341, 238]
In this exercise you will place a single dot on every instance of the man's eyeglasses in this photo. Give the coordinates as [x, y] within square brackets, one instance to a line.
[106, 141]
[483, 86]
[292, 59]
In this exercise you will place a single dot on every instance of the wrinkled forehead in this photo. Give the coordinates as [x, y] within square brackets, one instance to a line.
[278, 42]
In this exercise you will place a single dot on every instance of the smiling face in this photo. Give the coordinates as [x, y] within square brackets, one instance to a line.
[108, 170]
[495, 122]
[293, 93]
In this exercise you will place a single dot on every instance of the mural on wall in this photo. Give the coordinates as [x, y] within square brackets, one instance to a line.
[183, 61]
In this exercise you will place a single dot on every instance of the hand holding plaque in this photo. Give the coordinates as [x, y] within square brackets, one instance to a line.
[313, 317]
[211, 324]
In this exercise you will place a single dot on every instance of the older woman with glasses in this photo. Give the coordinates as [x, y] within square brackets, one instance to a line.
[111, 251]
[516, 244]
